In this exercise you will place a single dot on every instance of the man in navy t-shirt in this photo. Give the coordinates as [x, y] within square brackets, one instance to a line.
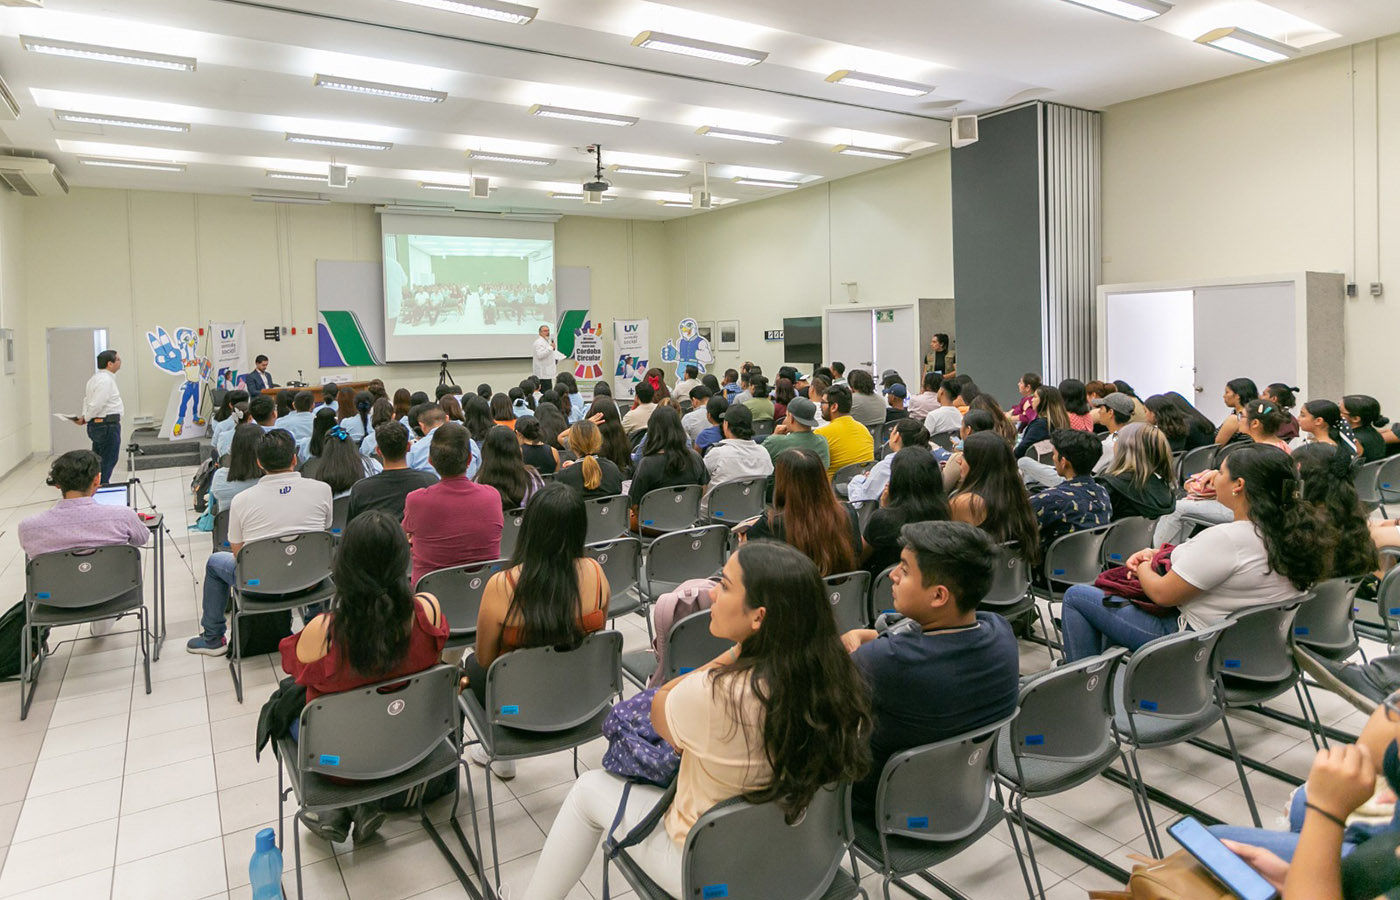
[946, 669]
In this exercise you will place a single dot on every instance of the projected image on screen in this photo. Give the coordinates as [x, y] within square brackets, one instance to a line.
[454, 285]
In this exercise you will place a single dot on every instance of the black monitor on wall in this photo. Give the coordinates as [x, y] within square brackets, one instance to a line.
[802, 342]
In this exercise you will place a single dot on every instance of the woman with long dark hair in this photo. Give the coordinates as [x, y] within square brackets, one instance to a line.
[503, 468]
[667, 460]
[340, 463]
[783, 394]
[1050, 417]
[380, 413]
[501, 410]
[452, 407]
[993, 496]
[1276, 546]
[775, 719]
[552, 595]
[1285, 398]
[806, 514]
[242, 471]
[914, 494]
[377, 630]
[1169, 420]
[975, 421]
[476, 415]
[321, 424]
[570, 402]
[1327, 484]
[536, 454]
[1200, 431]
[1363, 414]
[592, 474]
[1002, 424]
[527, 395]
[604, 413]
[1320, 422]
[1238, 393]
[1076, 404]
[403, 402]
[354, 416]
[553, 423]
[230, 414]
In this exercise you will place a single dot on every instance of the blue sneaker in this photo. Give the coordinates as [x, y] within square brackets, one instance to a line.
[207, 646]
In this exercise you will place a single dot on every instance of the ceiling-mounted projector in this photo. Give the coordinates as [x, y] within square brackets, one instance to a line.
[594, 190]
[595, 187]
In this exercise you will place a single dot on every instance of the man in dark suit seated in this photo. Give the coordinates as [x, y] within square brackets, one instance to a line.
[259, 379]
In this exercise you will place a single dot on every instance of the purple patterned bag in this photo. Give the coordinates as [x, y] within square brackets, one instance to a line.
[635, 751]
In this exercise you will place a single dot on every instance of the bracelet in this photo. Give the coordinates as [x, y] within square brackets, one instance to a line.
[1341, 823]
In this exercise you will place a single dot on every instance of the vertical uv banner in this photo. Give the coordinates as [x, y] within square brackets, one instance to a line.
[228, 352]
[630, 348]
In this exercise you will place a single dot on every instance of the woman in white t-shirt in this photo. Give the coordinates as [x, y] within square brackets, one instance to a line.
[812, 715]
[1275, 548]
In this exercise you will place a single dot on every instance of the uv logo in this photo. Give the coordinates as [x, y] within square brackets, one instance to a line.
[225, 333]
[285, 490]
[627, 328]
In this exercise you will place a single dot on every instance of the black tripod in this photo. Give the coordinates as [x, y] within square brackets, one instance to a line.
[444, 376]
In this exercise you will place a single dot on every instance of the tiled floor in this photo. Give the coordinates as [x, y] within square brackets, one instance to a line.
[108, 792]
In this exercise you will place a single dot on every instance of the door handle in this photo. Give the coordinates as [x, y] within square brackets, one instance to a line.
[1200, 390]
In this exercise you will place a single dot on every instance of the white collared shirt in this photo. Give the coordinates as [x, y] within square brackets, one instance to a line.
[101, 398]
[543, 363]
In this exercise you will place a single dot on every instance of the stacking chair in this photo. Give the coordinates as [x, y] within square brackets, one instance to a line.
[1376, 619]
[1197, 460]
[220, 534]
[882, 436]
[763, 427]
[849, 593]
[73, 587]
[864, 510]
[1124, 538]
[670, 508]
[722, 853]
[882, 593]
[607, 518]
[1009, 595]
[689, 645]
[843, 476]
[386, 737]
[1366, 479]
[276, 574]
[459, 591]
[620, 558]
[1166, 695]
[682, 555]
[943, 439]
[1062, 736]
[1388, 484]
[510, 531]
[1326, 622]
[932, 803]
[539, 701]
[735, 501]
[340, 512]
[1071, 559]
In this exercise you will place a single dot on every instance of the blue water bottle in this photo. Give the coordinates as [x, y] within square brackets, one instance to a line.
[265, 868]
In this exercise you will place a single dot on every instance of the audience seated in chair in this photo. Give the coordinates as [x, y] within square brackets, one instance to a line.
[503, 468]
[455, 521]
[300, 419]
[713, 432]
[1326, 475]
[1024, 412]
[796, 432]
[341, 465]
[945, 418]
[230, 414]
[535, 452]
[737, 456]
[281, 503]
[388, 490]
[1239, 392]
[760, 404]
[848, 440]
[377, 630]
[310, 449]
[1078, 502]
[914, 493]
[697, 419]
[1114, 413]
[1363, 414]
[867, 407]
[807, 728]
[643, 405]
[667, 460]
[806, 514]
[420, 454]
[926, 401]
[242, 471]
[77, 520]
[1139, 481]
[908, 432]
[1050, 417]
[591, 475]
[993, 497]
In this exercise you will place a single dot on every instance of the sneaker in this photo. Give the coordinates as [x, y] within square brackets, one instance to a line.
[207, 646]
[503, 770]
[332, 826]
[368, 817]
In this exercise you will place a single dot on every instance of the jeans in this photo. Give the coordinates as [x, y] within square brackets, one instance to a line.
[106, 440]
[1090, 628]
[1171, 528]
[1035, 472]
[218, 578]
[587, 812]
[1284, 844]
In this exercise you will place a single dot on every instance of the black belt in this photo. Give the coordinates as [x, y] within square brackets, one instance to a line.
[106, 420]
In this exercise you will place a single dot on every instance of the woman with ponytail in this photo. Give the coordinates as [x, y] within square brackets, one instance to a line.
[1327, 485]
[591, 475]
[1363, 414]
[340, 463]
[1320, 422]
[1238, 392]
[1285, 398]
[378, 630]
[1275, 547]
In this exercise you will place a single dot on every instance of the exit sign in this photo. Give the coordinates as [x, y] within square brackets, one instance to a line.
[884, 315]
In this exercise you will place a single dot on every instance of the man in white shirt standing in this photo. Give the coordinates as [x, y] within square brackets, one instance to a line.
[544, 359]
[102, 412]
[281, 503]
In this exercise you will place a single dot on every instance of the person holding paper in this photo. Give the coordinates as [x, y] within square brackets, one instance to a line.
[544, 359]
[102, 412]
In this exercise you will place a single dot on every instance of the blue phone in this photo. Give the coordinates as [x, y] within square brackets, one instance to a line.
[1223, 863]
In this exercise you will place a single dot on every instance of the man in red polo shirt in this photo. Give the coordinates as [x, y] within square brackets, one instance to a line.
[455, 521]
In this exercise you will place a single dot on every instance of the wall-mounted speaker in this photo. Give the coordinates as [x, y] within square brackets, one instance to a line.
[964, 130]
[481, 187]
[338, 177]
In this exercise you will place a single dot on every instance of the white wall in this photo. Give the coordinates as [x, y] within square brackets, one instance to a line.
[15, 414]
[1285, 168]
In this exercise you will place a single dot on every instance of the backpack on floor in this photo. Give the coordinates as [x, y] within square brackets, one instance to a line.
[11, 628]
[262, 633]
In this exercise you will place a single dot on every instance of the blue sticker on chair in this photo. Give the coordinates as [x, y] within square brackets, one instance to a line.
[1035, 740]
[254, 580]
[1301, 629]
[685, 670]
[648, 521]
[328, 760]
[917, 822]
[42, 595]
[1232, 663]
[1394, 611]
[1058, 572]
[510, 710]
[1116, 557]
[713, 891]
[1149, 705]
[335, 531]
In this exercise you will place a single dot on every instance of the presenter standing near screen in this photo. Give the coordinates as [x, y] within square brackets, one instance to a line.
[544, 359]
[102, 412]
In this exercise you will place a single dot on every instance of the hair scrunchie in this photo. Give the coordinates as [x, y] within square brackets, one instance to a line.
[339, 433]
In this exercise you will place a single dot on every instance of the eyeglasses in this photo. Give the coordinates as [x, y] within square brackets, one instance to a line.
[1392, 707]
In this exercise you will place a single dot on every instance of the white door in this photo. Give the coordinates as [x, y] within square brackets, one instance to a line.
[1243, 331]
[72, 359]
[896, 344]
[850, 338]
[1150, 341]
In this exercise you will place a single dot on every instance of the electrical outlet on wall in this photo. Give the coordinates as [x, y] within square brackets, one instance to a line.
[1376, 289]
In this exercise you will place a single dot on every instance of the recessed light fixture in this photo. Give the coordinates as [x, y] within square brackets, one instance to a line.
[346, 143]
[766, 182]
[378, 89]
[581, 115]
[674, 43]
[647, 170]
[880, 83]
[107, 54]
[1137, 10]
[565, 195]
[489, 156]
[300, 176]
[872, 152]
[730, 134]
[284, 198]
[149, 165]
[512, 13]
[68, 115]
[1247, 43]
[443, 186]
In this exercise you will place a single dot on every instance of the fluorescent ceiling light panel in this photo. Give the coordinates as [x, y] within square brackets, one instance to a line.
[1136, 10]
[646, 170]
[488, 156]
[880, 83]
[673, 43]
[1247, 43]
[346, 143]
[149, 165]
[563, 195]
[378, 89]
[442, 186]
[730, 134]
[497, 10]
[872, 152]
[300, 176]
[279, 198]
[68, 115]
[766, 182]
[581, 115]
[107, 54]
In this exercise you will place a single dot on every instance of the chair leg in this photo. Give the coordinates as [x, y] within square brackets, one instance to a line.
[145, 646]
[296, 848]
[1239, 769]
[281, 803]
[491, 826]
[1133, 766]
[575, 762]
[1310, 713]
[1019, 802]
[235, 662]
[27, 673]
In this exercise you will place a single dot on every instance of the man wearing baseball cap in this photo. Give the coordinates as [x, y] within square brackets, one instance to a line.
[795, 431]
[896, 395]
[1113, 412]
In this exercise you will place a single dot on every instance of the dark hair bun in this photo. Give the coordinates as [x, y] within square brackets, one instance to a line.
[1381, 421]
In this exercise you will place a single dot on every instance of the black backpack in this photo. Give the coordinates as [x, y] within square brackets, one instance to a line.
[11, 628]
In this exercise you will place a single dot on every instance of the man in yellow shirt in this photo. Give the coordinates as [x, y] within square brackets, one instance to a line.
[849, 441]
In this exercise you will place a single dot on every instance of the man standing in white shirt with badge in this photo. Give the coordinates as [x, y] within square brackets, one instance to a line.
[102, 412]
[544, 359]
